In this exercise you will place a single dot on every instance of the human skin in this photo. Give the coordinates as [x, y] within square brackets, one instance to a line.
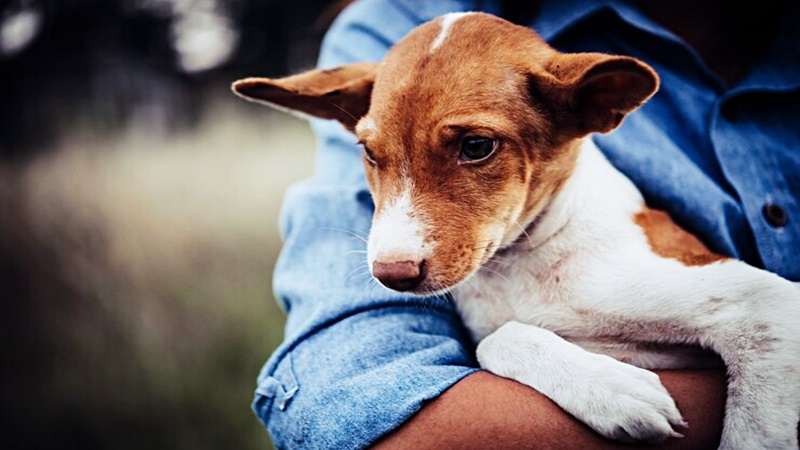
[486, 411]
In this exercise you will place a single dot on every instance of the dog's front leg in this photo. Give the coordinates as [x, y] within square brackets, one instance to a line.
[748, 316]
[617, 400]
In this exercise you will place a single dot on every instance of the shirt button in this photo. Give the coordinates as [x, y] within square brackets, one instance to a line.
[775, 215]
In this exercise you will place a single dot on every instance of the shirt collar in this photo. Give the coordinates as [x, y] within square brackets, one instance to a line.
[779, 69]
[556, 17]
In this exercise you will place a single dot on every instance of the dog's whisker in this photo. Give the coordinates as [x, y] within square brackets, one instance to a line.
[524, 232]
[358, 277]
[371, 286]
[472, 286]
[494, 272]
[355, 119]
[352, 233]
[483, 245]
[360, 270]
[580, 205]
[499, 260]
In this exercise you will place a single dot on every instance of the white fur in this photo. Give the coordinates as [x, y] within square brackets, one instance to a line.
[580, 308]
[447, 23]
[587, 306]
[366, 126]
[589, 276]
[627, 403]
[397, 234]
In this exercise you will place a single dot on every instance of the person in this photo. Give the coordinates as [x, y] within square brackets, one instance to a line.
[718, 147]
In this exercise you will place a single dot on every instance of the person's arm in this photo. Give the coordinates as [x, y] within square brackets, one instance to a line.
[485, 411]
[357, 359]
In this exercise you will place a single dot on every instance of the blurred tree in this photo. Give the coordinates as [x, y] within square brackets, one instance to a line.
[104, 63]
[99, 66]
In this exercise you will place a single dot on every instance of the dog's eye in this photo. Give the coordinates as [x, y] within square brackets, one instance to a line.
[477, 148]
[369, 156]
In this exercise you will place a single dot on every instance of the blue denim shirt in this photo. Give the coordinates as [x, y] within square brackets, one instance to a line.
[358, 360]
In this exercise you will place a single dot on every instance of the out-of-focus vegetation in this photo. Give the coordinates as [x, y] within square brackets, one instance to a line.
[145, 268]
[138, 218]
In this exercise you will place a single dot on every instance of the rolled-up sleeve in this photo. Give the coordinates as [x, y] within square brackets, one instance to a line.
[357, 360]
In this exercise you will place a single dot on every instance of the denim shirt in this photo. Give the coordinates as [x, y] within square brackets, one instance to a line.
[358, 360]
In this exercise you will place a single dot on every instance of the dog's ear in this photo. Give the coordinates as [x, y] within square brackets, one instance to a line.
[595, 91]
[341, 93]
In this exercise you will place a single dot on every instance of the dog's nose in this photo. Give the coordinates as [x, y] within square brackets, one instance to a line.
[400, 276]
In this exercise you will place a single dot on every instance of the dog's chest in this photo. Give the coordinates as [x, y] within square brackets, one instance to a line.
[546, 288]
[521, 286]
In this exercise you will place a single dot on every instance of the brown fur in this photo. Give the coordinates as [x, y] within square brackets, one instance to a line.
[336, 93]
[669, 240]
[489, 79]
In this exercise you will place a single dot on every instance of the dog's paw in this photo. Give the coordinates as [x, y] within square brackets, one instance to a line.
[624, 402]
[617, 400]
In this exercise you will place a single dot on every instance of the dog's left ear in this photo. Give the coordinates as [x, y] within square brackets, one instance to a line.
[342, 93]
[596, 91]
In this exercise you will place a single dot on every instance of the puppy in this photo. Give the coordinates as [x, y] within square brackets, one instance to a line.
[474, 144]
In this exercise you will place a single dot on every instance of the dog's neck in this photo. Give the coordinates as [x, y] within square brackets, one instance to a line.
[594, 193]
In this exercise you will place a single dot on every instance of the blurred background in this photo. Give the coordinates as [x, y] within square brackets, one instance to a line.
[138, 216]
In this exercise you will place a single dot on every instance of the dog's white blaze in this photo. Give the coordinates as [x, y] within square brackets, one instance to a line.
[397, 234]
[447, 23]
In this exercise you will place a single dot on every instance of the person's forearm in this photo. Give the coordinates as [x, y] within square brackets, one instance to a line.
[485, 411]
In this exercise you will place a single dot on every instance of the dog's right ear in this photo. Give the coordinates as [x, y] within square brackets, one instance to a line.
[341, 93]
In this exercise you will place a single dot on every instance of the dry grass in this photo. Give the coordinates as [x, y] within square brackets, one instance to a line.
[158, 311]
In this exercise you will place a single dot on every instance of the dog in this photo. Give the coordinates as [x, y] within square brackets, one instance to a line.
[485, 185]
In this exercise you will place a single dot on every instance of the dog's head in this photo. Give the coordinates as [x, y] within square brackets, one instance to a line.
[469, 126]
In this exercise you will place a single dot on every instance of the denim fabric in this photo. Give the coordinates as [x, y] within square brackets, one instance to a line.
[358, 360]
